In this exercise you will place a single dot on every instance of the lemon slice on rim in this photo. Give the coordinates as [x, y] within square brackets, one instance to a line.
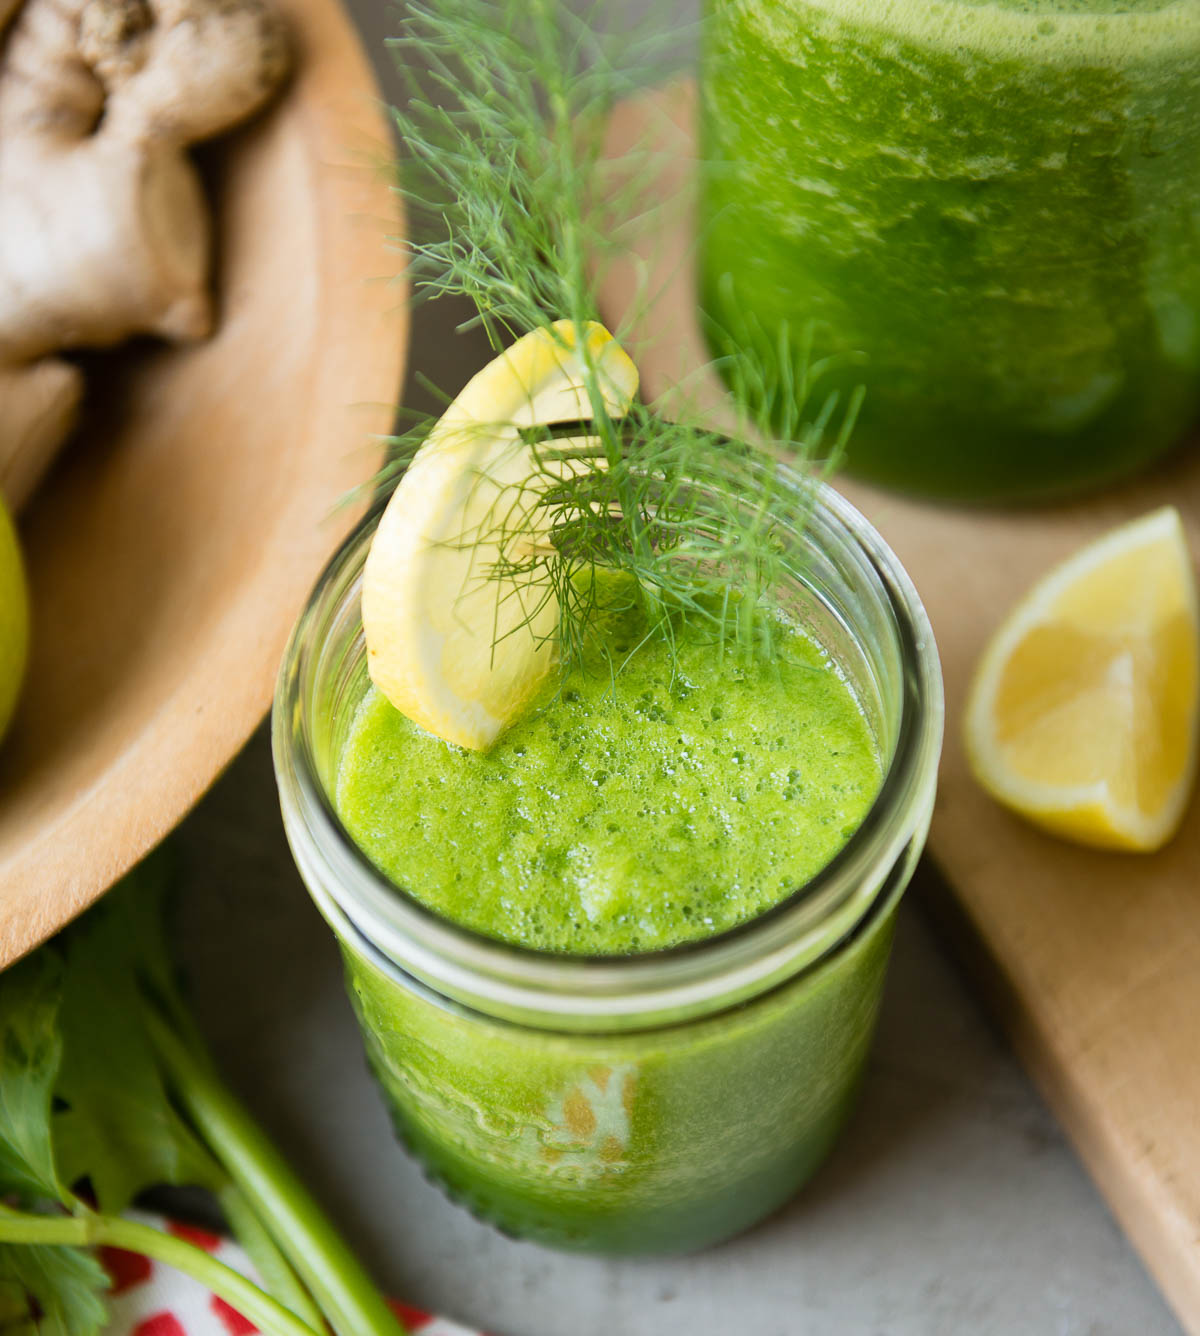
[1083, 712]
[458, 648]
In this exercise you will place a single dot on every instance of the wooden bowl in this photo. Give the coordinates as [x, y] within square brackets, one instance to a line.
[171, 551]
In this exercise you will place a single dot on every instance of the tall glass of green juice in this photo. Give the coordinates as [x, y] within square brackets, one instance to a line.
[986, 212]
[617, 976]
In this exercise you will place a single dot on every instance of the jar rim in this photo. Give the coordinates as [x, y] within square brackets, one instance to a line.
[519, 981]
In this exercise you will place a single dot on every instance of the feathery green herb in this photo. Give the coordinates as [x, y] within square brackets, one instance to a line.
[514, 205]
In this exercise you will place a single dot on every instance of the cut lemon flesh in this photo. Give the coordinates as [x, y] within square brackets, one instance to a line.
[1083, 712]
[456, 646]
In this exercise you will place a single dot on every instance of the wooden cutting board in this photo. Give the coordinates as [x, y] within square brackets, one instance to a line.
[1092, 960]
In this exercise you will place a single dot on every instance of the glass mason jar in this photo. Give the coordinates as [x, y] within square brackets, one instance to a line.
[658, 1102]
[987, 212]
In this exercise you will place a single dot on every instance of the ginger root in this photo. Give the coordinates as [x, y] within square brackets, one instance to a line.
[104, 229]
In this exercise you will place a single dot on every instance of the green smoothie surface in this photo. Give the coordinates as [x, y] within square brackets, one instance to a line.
[1095, 31]
[672, 802]
[1074, 6]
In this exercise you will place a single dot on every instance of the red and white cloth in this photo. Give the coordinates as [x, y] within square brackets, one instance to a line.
[149, 1299]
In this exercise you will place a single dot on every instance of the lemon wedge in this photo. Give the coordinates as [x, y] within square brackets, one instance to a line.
[454, 645]
[1082, 716]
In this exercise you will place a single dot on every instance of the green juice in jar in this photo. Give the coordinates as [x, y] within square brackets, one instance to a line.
[618, 975]
[989, 211]
[685, 799]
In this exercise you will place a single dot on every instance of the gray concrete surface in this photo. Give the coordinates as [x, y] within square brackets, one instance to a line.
[953, 1206]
